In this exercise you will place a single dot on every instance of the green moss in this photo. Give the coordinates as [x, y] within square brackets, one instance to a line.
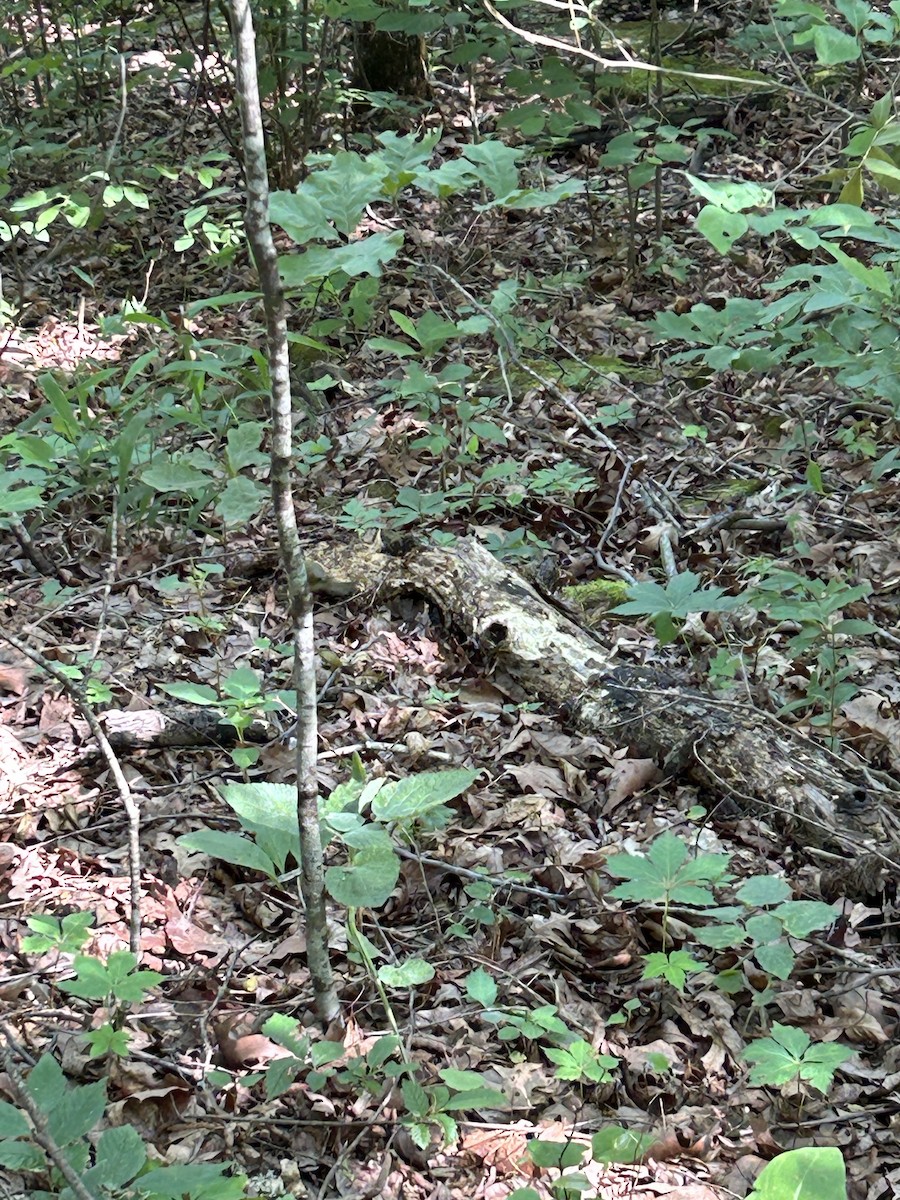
[597, 594]
[730, 490]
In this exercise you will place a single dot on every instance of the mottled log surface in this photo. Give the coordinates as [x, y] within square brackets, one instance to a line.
[730, 750]
[182, 725]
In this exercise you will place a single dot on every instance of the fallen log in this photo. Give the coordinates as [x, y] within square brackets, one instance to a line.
[729, 750]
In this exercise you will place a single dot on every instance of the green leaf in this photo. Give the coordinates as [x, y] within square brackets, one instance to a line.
[777, 958]
[760, 890]
[673, 967]
[92, 979]
[22, 1156]
[364, 257]
[174, 476]
[120, 1156]
[417, 795]
[231, 848]
[269, 812]
[108, 1040]
[12, 1122]
[720, 228]
[555, 1154]
[461, 1081]
[480, 1097]
[789, 1054]
[615, 1144]
[415, 1098]
[240, 500]
[833, 46]
[371, 875]
[301, 216]
[191, 693]
[497, 166]
[481, 987]
[76, 1112]
[801, 917]
[810, 1173]
[413, 971]
[731, 196]
[200, 1181]
[343, 189]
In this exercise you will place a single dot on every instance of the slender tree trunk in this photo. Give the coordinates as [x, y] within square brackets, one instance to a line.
[259, 234]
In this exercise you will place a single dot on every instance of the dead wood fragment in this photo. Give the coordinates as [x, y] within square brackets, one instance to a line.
[182, 726]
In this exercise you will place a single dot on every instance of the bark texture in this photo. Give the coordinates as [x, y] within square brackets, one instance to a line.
[265, 255]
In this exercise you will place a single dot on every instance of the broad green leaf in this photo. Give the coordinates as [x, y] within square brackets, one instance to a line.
[107, 1040]
[368, 880]
[364, 257]
[615, 1144]
[22, 1156]
[344, 189]
[12, 1122]
[200, 1181]
[834, 46]
[301, 216]
[720, 228]
[173, 476]
[120, 1155]
[92, 979]
[801, 917]
[732, 196]
[777, 958]
[763, 927]
[412, 972]
[231, 848]
[481, 987]
[480, 1097]
[761, 890]
[810, 1173]
[191, 693]
[242, 446]
[416, 795]
[496, 166]
[461, 1081]
[557, 1155]
[76, 1112]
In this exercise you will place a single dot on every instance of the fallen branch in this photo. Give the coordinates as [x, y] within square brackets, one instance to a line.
[834, 808]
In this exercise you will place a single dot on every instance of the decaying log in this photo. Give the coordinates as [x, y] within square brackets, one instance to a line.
[179, 726]
[728, 749]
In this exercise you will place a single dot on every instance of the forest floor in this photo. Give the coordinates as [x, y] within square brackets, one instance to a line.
[406, 695]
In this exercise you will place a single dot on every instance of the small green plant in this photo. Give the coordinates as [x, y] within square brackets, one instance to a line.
[666, 875]
[575, 1058]
[242, 701]
[106, 1164]
[672, 602]
[613, 1144]
[362, 814]
[790, 1054]
[115, 983]
[760, 925]
[817, 609]
[765, 920]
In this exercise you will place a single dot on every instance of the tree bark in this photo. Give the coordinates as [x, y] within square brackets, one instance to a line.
[259, 234]
[390, 62]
